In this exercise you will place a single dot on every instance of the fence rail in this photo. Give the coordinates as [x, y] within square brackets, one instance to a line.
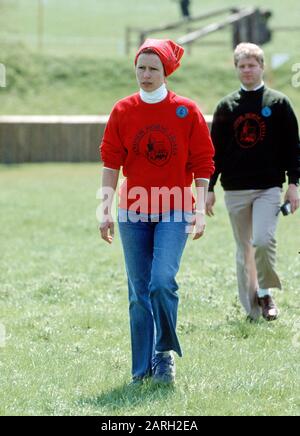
[214, 27]
[144, 33]
[247, 23]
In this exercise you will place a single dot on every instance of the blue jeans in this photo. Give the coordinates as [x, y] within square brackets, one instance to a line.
[152, 252]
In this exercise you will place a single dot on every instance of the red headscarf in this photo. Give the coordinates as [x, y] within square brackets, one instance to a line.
[168, 51]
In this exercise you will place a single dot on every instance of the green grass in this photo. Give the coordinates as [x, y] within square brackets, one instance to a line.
[52, 85]
[98, 27]
[83, 69]
[63, 295]
[63, 301]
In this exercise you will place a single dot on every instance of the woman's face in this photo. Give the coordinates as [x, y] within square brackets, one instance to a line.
[149, 72]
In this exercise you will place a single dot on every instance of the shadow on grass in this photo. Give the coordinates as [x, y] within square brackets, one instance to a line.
[128, 396]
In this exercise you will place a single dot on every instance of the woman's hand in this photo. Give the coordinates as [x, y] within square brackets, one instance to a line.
[109, 185]
[107, 230]
[199, 225]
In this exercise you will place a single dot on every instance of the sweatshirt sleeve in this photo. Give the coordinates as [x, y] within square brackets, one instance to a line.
[201, 149]
[291, 144]
[219, 135]
[112, 151]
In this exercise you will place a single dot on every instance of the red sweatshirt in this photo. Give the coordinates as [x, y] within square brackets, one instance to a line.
[161, 145]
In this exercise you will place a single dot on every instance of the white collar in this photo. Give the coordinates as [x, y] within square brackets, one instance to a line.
[155, 96]
[255, 89]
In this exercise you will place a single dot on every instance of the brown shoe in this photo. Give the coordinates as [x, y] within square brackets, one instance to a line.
[269, 309]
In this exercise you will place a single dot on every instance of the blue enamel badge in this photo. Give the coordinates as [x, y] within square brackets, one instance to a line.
[182, 112]
[266, 111]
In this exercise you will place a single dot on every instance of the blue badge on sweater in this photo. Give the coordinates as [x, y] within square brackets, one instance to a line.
[266, 111]
[182, 112]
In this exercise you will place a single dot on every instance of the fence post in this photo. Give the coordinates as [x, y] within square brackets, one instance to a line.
[143, 37]
[40, 24]
[127, 40]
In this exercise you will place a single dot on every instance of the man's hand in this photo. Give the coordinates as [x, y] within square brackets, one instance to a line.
[107, 230]
[292, 195]
[210, 202]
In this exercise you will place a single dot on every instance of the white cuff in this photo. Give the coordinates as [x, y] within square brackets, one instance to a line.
[201, 178]
[111, 169]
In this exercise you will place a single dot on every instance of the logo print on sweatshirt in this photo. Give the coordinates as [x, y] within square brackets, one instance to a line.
[182, 111]
[249, 130]
[156, 144]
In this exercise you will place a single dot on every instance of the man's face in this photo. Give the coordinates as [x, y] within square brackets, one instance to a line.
[149, 72]
[250, 72]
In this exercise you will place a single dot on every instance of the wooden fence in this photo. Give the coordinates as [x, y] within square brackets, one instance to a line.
[181, 24]
[52, 138]
[248, 24]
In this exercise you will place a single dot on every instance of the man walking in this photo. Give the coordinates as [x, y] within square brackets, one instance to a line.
[255, 133]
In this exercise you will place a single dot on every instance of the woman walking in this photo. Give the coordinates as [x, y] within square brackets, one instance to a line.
[162, 142]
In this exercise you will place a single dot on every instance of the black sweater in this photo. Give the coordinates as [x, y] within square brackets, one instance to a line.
[256, 139]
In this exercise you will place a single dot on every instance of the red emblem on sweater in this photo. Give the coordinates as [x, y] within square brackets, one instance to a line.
[156, 144]
[249, 130]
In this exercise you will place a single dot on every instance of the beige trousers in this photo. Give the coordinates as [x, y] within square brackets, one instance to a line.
[253, 216]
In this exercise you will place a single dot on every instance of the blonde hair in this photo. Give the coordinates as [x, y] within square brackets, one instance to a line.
[248, 50]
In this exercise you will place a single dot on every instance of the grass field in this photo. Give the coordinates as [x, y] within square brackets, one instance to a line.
[83, 69]
[63, 293]
[98, 26]
[63, 302]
